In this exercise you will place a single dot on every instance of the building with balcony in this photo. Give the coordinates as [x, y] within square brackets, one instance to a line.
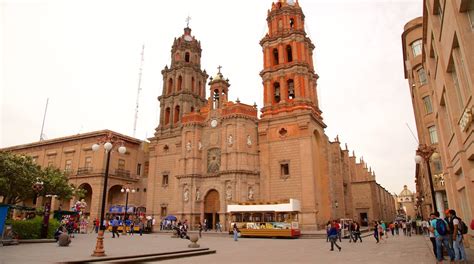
[438, 57]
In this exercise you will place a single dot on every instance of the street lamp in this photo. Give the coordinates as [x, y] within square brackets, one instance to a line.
[424, 153]
[107, 142]
[126, 191]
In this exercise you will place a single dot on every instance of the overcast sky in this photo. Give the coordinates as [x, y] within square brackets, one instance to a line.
[85, 57]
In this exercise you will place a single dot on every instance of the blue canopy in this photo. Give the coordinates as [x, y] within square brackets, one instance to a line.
[171, 218]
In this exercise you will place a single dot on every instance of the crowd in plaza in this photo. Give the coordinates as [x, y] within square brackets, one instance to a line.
[446, 234]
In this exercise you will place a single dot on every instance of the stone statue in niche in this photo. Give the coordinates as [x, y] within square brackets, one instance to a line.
[186, 195]
[199, 145]
[213, 160]
[188, 146]
[251, 193]
[228, 193]
[249, 140]
[198, 195]
[230, 140]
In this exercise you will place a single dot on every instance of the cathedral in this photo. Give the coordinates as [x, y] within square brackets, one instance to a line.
[209, 152]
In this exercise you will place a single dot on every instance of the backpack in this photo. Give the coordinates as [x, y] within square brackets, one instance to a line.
[441, 227]
[462, 226]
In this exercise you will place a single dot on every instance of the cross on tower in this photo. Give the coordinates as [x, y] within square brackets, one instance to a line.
[219, 68]
[187, 21]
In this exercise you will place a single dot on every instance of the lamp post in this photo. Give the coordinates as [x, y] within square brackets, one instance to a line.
[424, 153]
[38, 187]
[107, 142]
[126, 191]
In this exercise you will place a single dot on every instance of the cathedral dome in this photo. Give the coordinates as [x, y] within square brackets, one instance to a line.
[405, 191]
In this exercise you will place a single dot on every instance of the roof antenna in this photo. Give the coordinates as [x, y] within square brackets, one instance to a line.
[138, 91]
[412, 133]
[44, 118]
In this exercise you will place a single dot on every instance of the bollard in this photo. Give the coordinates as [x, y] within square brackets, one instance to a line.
[193, 238]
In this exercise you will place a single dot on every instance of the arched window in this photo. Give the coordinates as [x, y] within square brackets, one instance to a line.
[289, 54]
[216, 99]
[167, 115]
[292, 23]
[192, 84]
[276, 92]
[186, 57]
[170, 85]
[192, 109]
[200, 90]
[180, 82]
[291, 89]
[275, 56]
[176, 114]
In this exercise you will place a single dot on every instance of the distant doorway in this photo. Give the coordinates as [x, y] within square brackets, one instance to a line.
[364, 221]
[211, 209]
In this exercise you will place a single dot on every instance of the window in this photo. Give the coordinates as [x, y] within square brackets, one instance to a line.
[291, 89]
[275, 56]
[139, 169]
[88, 162]
[68, 166]
[284, 169]
[144, 189]
[186, 57]
[145, 169]
[50, 163]
[289, 54]
[170, 85]
[427, 102]
[164, 181]
[416, 47]
[176, 114]
[216, 99]
[121, 164]
[470, 13]
[422, 76]
[180, 83]
[437, 166]
[433, 134]
[457, 89]
[164, 211]
[276, 92]
[167, 115]
[192, 85]
[292, 23]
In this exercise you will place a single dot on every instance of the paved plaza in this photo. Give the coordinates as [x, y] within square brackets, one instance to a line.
[415, 249]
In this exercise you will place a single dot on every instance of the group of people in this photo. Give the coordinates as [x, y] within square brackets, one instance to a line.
[128, 225]
[448, 233]
[334, 232]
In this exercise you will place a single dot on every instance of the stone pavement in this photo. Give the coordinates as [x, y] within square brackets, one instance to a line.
[415, 249]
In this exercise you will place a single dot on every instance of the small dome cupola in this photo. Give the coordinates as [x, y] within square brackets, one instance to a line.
[219, 89]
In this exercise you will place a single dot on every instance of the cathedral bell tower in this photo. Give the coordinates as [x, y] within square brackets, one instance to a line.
[288, 74]
[183, 83]
[219, 89]
[291, 129]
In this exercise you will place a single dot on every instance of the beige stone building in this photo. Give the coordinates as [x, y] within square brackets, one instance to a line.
[211, 152]
[438, 58]
[406, 203]
[86, 169]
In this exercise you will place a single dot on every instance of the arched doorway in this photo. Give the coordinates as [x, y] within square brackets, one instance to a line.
[87, 198]
[211, 209]
[114, 198]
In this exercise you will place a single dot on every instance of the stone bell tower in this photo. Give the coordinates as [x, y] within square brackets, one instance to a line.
[291, 129]
[183, 83]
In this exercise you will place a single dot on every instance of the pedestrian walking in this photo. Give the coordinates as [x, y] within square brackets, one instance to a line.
[236, 232]
[333, 236]
[439, 227]
[141, 226]
[328, 226]
[115, 225]
[200, 229]
[357, 232]
[376, 231]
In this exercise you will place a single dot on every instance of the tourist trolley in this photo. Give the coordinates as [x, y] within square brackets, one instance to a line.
[266, 219]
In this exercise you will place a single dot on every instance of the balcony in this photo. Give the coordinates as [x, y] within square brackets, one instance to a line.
[84, 171]
[122, 173]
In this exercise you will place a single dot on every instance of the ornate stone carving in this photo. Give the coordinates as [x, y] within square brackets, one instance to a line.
[188, 146]
[213, 160]
[251, 193]
[249, 140]
[198, 195]
[230, 140]
[186, 194]
[199, 146]
[228, 193]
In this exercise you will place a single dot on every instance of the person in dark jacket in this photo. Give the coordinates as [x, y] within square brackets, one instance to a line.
[333, 236]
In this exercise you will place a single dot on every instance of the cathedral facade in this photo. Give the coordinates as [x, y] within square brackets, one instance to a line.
[210, 152]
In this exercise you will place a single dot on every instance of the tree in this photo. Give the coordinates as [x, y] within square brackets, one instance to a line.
[18, 174]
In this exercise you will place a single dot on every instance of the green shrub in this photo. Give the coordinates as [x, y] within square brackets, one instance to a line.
[31, 229]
